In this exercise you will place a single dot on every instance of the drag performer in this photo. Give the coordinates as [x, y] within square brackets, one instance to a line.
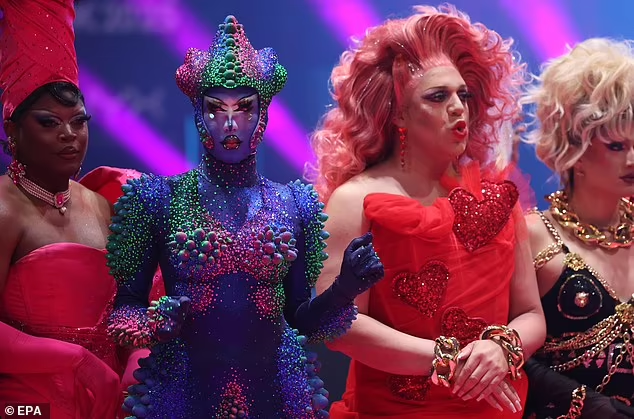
[406, 154]
[582, 245]
[55, 290]
[239, 254]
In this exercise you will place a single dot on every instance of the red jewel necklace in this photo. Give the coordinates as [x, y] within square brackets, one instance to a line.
[57, 200]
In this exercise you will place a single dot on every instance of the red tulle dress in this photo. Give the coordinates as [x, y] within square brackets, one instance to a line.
[61, 291]
[448, 269]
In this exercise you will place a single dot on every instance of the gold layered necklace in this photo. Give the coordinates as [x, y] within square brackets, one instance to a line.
[612, 237]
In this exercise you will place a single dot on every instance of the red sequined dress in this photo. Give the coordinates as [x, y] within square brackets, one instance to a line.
[448, 269]
[61, 291]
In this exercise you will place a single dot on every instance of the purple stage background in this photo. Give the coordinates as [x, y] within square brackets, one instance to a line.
[129, 50]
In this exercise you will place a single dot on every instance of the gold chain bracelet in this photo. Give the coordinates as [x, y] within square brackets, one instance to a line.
[511, 344]
[576, 404]
[445, 360]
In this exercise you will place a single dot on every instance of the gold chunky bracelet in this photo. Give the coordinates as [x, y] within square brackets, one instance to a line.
[576, 404]
[511, 344]
[444, 365]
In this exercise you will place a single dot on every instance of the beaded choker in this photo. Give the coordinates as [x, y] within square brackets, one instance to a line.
[57, 200]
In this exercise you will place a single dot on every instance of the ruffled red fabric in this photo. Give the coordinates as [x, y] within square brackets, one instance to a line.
[37, 47]
[63, 292]
[107, 181]
[434, 286]
[521, 179]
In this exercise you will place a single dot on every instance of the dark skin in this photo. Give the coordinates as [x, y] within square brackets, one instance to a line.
[42, 132]
[28, 223]
[46, 129]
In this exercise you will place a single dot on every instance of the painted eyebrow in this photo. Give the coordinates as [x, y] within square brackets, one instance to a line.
[462, 86]
[46, 112]
[222, 102]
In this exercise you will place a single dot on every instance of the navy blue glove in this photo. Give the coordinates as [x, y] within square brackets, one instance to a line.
[168, 315]
[361, 268]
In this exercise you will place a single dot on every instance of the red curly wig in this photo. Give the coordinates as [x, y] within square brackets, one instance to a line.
[367, 83]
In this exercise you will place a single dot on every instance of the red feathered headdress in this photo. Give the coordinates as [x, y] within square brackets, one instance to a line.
[37, 44]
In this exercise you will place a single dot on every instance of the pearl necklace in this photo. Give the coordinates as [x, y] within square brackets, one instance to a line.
[57, 200]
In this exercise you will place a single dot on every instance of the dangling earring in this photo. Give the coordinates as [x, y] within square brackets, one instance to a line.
[16, 170]
[402, 134]
[250, 117]
[205, 139]
[208, 143]
[77, 173]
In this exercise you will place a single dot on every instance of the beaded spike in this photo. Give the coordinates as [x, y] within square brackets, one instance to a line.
[312, 211]
[231, 62]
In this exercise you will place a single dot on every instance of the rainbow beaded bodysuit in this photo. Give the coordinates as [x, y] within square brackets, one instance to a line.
[239, 256]
[246, 251]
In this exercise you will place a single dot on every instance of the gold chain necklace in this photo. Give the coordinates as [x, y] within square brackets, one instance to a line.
[613, 237]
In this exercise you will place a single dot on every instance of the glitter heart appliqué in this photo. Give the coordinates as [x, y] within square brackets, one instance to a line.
[477, 222]
[456, 323]
[409, 387]
[425, 289]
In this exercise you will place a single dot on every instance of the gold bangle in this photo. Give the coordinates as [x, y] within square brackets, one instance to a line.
[576, 404]
[509, 340]
[444, 365]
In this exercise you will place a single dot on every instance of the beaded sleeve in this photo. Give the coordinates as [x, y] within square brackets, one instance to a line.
[330, 314]
[133, 258]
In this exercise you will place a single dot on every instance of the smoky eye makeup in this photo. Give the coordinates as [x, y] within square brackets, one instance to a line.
[465, 95]
[213, 104]
[436, 96]
[212, 107]
[441, 95]
[82, 119]
[47, 121]
[245, 105]
[615, 146]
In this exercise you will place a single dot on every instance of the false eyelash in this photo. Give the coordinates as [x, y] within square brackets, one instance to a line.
[212, 107]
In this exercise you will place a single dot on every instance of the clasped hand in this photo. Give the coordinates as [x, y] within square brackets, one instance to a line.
[482, 373]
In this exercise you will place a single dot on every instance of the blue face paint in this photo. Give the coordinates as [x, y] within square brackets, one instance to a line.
[230, 118]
